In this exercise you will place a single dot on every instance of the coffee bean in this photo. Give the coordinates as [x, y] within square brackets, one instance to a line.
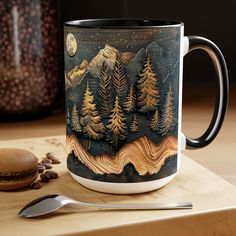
[56, 161]
[47, 165]
[36, 185]
[45, 178]
[41, 168]
[51, 156]
[52, 174]
[46, 160]
[47, 174]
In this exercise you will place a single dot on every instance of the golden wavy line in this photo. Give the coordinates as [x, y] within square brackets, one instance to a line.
[145, 155]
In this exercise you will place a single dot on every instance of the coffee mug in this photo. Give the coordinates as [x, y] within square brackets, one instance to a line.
[123, 81]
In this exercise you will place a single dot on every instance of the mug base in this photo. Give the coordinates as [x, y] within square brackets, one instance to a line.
[123, 188]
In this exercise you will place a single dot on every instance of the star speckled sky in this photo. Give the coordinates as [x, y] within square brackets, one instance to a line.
[91, 41]
[125, 39]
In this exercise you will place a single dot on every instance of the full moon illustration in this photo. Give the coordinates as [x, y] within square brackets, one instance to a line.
[71, 44]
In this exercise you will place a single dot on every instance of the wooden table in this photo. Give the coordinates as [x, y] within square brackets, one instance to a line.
[213, 213]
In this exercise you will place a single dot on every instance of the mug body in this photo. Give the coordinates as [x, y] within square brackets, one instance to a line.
[123, 103]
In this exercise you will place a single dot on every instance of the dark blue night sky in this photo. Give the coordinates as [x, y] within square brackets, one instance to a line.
[91, 41]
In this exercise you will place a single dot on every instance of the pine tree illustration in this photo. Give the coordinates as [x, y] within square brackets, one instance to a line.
[148, 96]
[134, 124]
[119, 81]
[75, 120]
[104, 92]
[68, 117]
[90, 119]
[168, 121]
[129, 104]
[116, 128]
[155, 122]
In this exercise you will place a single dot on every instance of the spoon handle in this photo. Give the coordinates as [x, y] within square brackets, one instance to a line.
[140, 206]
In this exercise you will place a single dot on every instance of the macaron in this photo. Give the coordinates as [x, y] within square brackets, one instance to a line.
[18, 168]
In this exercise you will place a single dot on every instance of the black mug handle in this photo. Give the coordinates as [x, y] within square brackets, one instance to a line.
[221, 102]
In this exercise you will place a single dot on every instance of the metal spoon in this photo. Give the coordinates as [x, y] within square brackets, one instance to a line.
[49, 203]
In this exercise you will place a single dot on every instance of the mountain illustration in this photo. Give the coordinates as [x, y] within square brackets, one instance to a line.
[165, 63]
[164, 59]
[107, 54]
[135, 64]
[78, 71]
[94, 67]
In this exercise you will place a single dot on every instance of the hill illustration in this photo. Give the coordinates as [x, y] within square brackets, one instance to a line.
[146, 156]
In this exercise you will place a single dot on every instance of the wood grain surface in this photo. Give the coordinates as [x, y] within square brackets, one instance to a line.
[146, 156]
[214, 201]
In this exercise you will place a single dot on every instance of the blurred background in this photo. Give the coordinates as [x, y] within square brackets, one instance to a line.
[209, 18]
[31, 61]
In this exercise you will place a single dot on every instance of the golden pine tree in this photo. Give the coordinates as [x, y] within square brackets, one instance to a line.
[129, 104]
[148, 96]
[155, 122]
[104, 92]
[116, 128]
[68, 117]
[75, 119]
[134, 124]
[120, 83]
[168, 121]
[90, 119]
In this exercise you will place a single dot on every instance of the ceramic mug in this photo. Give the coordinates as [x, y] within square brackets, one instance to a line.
[124, 100]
